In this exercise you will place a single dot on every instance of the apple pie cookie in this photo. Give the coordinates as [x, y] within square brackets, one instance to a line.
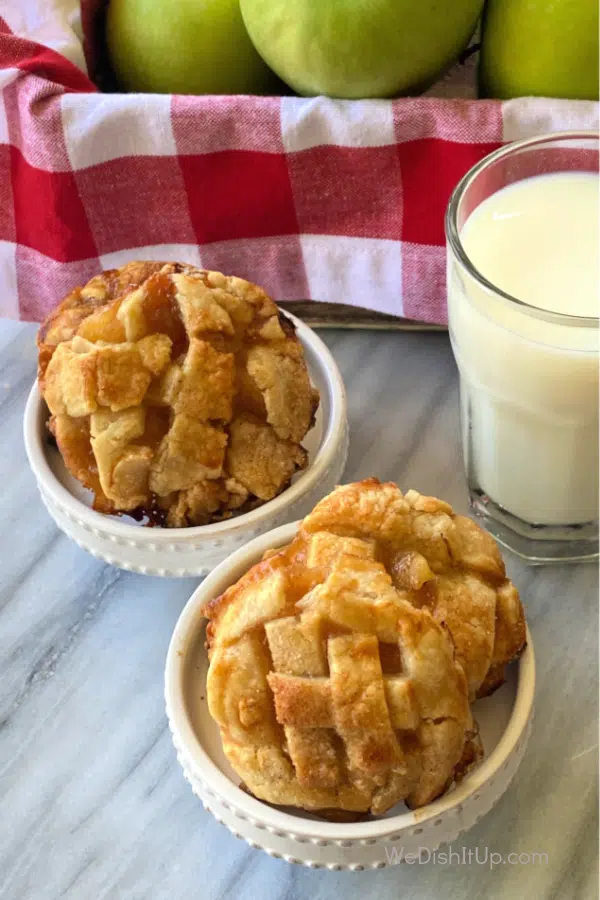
[342, 666]
[175, 393]
[441, 562]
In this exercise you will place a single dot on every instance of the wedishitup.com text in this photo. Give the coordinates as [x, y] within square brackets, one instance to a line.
[464, 856]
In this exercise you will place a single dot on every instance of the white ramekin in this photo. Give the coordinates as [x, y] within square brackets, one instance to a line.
[196, 550]
[504, 719]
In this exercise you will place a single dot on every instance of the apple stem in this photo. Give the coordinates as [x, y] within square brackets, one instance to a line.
[469, 52]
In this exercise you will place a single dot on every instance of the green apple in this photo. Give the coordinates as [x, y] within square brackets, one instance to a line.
[544, 48]
[360, 48]
[184, 47]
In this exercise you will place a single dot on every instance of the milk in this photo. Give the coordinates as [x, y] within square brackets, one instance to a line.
[529, 385]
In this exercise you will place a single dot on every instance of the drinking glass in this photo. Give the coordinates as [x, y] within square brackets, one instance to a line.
[528, 378]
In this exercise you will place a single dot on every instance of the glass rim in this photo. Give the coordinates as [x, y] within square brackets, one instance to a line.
[455, 243]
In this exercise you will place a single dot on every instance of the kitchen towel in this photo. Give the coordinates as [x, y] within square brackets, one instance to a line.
[337, 201]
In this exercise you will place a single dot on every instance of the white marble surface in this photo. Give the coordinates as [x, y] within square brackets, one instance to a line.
[92, 802]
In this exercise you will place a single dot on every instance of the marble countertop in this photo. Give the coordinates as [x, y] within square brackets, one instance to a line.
[93, 804]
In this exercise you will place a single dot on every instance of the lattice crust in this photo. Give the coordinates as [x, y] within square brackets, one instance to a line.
[337, 665]
[175, 393]
[446, 564]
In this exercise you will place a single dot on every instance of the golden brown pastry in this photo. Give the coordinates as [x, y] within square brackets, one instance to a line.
[175, 393]
[341, 666]
[442, 562]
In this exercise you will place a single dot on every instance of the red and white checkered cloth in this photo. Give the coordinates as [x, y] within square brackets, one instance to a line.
[312, 198]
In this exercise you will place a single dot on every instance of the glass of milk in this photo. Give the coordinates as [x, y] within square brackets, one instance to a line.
[523, 307]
